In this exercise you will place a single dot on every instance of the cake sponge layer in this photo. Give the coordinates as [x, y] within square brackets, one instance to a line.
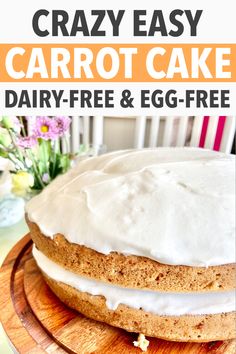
[187, 328]
[132, 271]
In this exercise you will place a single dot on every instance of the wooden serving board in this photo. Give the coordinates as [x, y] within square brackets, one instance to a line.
[36, 321]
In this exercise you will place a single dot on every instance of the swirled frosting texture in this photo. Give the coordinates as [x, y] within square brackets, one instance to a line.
[173, 205]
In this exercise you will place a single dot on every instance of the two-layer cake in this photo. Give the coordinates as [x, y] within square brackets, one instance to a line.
[143, 240]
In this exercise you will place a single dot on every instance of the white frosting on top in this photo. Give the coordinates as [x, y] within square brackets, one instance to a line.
[170, 304]
[173, 205]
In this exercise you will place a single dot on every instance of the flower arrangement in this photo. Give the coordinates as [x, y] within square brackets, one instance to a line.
[37, 157]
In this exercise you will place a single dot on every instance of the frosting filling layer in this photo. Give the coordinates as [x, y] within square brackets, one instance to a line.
[172, 205]
[159, 303]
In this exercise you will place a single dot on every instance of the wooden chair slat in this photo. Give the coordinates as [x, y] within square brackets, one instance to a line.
[155, 123]
[182, 131]
[139, 135]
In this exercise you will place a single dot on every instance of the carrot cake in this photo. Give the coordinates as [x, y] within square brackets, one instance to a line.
[143, 240]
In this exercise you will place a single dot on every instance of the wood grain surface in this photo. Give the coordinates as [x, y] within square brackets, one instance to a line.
[36, 321]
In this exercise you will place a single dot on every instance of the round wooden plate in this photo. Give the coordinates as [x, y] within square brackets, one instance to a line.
[36, 321]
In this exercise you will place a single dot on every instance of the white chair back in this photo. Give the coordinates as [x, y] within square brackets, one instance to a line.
[209, 132]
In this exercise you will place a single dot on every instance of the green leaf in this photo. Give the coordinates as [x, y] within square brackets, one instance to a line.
[5, 138]
[3, 153]
[41, 167]
[64, 162]
[44, 150]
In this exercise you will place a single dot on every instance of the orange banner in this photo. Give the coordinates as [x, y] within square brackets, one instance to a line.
[117, 62]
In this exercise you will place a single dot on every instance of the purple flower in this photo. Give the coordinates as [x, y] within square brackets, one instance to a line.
[27, 142]
[46, 178]
[62, 124]
[45, 128]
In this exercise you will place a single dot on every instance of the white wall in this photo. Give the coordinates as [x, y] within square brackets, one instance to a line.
[119, 132]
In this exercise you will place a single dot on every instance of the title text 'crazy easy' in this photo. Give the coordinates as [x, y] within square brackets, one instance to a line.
[99, 23]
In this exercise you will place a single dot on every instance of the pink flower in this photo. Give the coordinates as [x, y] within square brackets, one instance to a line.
[27, 142]
[45, 128]
[62, 124]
